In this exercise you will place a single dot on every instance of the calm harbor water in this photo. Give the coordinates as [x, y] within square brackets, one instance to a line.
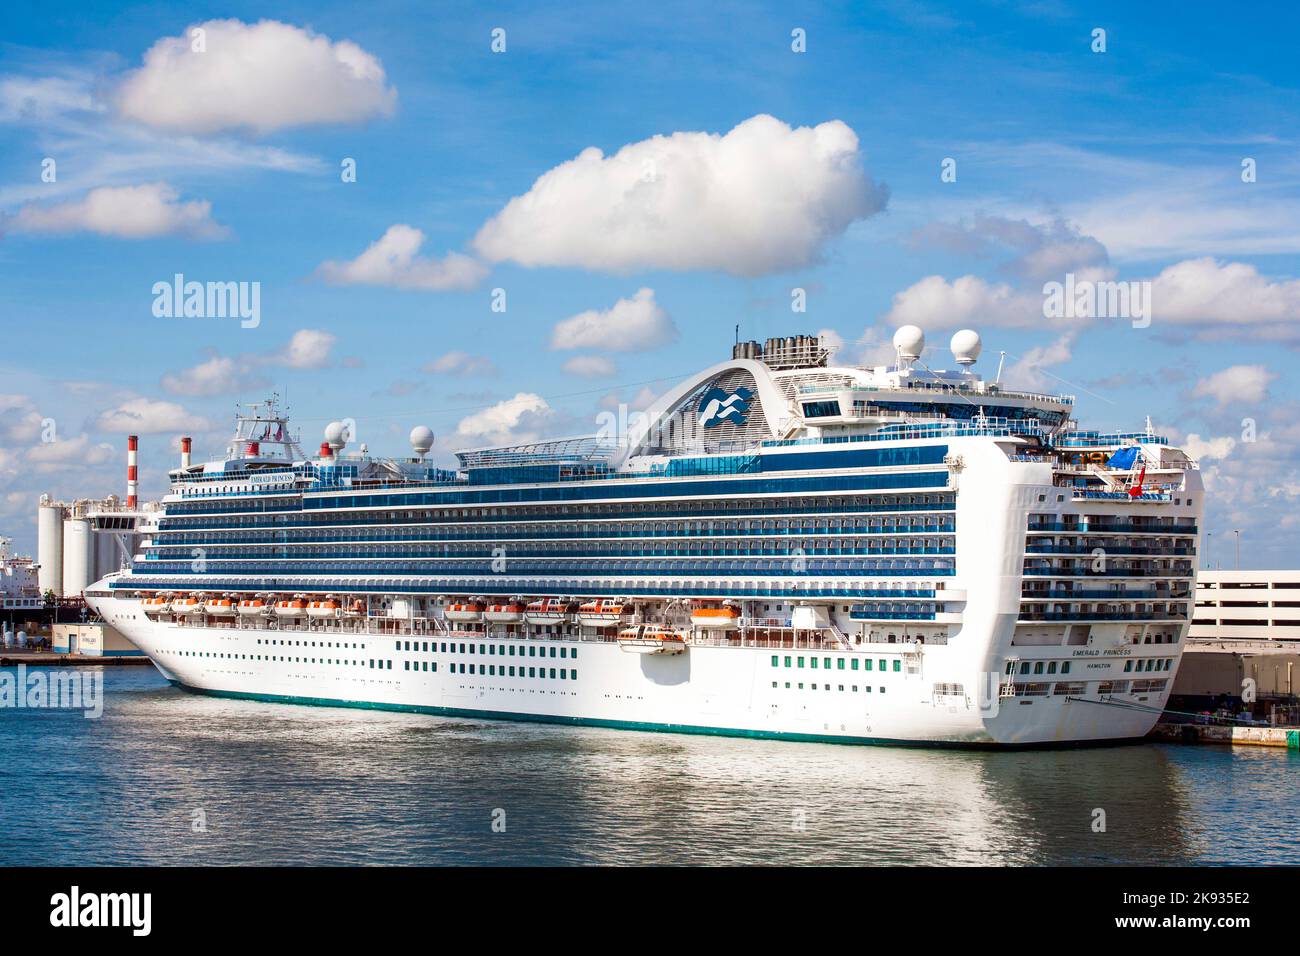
[166, 777]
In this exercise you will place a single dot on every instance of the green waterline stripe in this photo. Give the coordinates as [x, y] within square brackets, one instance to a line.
[645, 726]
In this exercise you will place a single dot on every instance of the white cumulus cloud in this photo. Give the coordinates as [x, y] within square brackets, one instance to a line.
[393, 260]
[262, 76]
[143, 416]
[1205, 292]
[507, 422]
[308, 348]
[145, 211]
[19, 419]
[1206, 449]
[1030, 370]
[936, 303]
[628, 325]
[57, 455]
[218, 375]
[1237, 383]
[762, 198]
[222, 374]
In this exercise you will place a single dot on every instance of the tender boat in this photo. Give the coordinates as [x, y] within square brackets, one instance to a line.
[221, 607]
[328, 609]
[603, 613]
[291, 608]
[192, 606]
[465, 611]
[510, 612]
[651, 639]
[550, 611]
[723, 617]
[253, 607]
[160, 604]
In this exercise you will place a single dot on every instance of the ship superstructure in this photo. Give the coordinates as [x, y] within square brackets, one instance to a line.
[780, 546]
[19, 588]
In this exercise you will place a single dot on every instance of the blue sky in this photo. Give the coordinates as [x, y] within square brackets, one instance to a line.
[1123, 164]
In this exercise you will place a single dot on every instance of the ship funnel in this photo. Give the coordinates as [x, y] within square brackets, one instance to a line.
[186, 446]
[132, 469]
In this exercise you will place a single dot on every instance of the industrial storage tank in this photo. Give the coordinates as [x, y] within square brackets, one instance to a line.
[49, 548]
[78, 556]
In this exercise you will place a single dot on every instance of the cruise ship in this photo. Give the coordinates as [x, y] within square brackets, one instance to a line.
[781, 546]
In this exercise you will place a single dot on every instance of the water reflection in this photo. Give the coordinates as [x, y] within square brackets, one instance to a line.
[167, 777]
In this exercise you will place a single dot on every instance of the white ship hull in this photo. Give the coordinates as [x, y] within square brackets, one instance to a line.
[710, 688]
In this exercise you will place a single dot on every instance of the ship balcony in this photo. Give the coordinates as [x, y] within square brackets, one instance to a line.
[904, 614]
[1103, 595]
[1085, 616]
[1085, 594]
[1109, 527]
[1083, 550]
[1086, 494]
[1177, 574]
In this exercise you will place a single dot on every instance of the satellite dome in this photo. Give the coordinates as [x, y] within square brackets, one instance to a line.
[336, 435]
[421, 439]
[910, 342]
[965, 346]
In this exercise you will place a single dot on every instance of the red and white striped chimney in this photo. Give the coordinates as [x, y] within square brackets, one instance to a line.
[132, 474]
[186, 445]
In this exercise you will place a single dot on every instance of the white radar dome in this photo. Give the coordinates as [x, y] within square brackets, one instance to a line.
[909, 341]
[421, 439]
[966, 346]
[336, 435]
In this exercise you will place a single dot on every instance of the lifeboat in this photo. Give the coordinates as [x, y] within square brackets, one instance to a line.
[356, 609]
[465, 611]
[221, 607]
[325, 609]
[507, 613]
[651, 639]
[290, 608]
[187, 605]
[723, 617]
[550, 611]
[253, 607]
[162, 604]
[602, 613]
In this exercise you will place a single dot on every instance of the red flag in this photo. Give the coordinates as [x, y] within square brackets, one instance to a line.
[1136, 490]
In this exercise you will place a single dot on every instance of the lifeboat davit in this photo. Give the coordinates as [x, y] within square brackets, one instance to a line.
[507, 613]
[291, 608]
[253, 607]
[603, 613]
[221, 607]
[157, 605]
[465, 611]
[550, 611]
[187, 605]
[651, 639]
[722, 617]
[323, 610]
